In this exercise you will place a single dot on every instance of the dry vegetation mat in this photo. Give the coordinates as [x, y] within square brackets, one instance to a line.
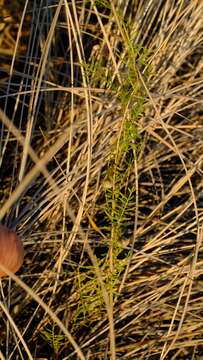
[101, 153]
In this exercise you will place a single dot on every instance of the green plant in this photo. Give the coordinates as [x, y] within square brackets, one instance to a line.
[90, 302]
[120, 203]
[96, 72]
[56, 341]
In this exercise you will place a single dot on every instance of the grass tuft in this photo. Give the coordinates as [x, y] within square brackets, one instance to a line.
[101, 175]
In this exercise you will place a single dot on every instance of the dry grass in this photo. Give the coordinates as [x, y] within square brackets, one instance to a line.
[73, 76]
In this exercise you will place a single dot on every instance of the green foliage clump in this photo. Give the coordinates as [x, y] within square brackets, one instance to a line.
[120, 205]
[56, 341]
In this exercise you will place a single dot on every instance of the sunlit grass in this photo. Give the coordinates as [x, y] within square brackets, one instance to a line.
[101, 152]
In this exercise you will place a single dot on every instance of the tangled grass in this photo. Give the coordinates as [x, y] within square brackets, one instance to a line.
[101, 175]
